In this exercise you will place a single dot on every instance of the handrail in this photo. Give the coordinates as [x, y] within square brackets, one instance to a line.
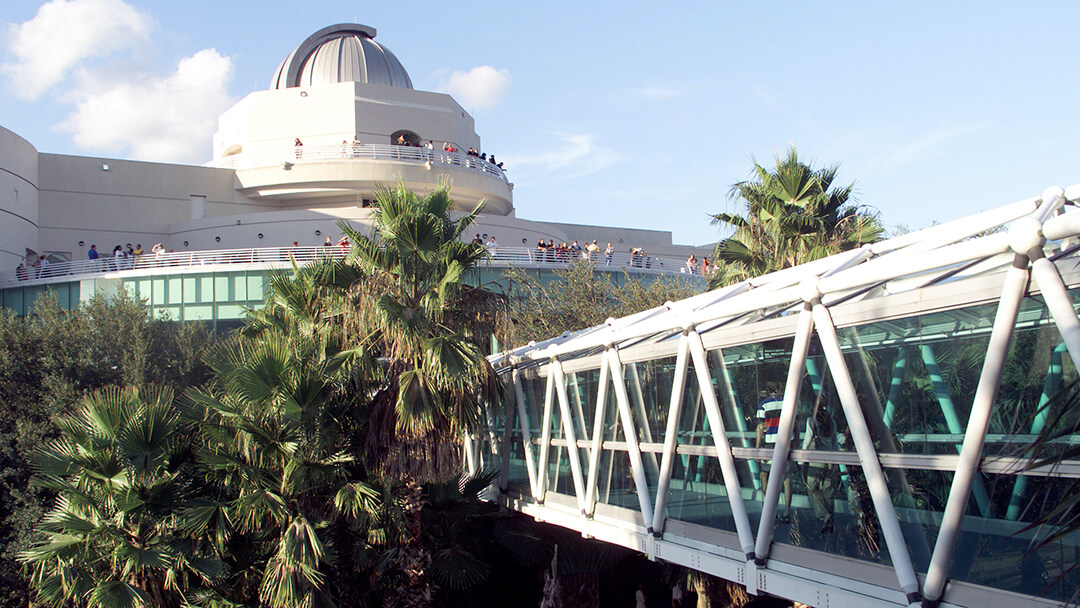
[302, 154]
[283, 257]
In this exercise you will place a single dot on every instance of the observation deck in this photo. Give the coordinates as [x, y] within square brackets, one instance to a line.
[904, 382]
[217, 285]
[339, 172]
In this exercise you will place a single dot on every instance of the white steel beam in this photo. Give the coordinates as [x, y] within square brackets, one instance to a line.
[571, 435]
[526, 435]
[799, 349]
[723, 448]
[639, 408]
[678, 384]
[864, 446]
[636, 465]
[545, 438]
[1060, 304]
[598, 436]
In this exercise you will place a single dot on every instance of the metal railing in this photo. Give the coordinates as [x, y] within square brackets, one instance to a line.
[302, 154]
[280, 257]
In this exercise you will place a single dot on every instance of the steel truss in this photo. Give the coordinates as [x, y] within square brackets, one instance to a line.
[1002, 266]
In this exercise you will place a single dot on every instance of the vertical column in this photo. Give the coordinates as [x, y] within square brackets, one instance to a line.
[545, 437]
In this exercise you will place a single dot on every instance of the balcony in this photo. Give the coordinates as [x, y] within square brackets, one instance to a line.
[284, 257]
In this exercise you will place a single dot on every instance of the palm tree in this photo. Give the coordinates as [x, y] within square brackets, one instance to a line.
[793, 214]
[119, 533]
[279, 428]
[415, 311]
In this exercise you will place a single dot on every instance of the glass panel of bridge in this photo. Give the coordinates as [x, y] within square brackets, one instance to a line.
[533, 390]
[615, 480]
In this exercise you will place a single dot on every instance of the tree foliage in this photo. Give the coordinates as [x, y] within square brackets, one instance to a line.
[580, 297]
[48, 361]
[792, 214]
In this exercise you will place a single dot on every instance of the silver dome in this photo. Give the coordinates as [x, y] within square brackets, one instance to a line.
[341, 53]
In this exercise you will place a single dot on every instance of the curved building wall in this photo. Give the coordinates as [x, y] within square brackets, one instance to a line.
[18, 198]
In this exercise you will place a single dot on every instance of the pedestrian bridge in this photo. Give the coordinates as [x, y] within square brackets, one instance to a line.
[910, 374]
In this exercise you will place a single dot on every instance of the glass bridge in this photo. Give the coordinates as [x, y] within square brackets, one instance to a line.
[902, 383]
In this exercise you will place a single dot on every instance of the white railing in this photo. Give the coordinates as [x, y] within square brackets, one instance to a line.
[281, 257]
[247, 160]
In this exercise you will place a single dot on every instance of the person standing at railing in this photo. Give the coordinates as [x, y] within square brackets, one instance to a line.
[492, 246]
[43, 267]
[355, 146]
[93, 253]
[298, 146]
[21, 273]
[138, 250]
[608, 253]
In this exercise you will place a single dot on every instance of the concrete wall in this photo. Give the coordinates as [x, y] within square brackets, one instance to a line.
[270, 121]
[18, 199]
[131, 202]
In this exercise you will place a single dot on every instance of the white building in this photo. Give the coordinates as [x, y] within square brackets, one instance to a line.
[349, 101]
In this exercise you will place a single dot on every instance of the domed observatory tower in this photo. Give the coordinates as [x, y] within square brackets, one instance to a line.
[342, 118]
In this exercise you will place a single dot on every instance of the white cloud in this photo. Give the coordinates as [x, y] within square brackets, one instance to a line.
[657, 93]
[576, 156]
[64, 34]
[170, 118]
[479, 88]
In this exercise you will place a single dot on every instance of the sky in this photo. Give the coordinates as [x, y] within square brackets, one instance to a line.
[635, 114]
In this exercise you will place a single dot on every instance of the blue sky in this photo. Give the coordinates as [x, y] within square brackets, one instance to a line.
[613, 113]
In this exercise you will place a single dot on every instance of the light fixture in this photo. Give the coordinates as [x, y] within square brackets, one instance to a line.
[185, 243]
[217, 239]
[237, 222]
[260, 235]
[82, 243]
[303, 93]
[104, 167]
[318, 233]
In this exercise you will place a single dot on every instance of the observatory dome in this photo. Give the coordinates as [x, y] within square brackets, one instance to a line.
[346, 52]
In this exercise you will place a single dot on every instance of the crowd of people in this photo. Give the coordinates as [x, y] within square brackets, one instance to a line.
[693, 266]
[352, 149]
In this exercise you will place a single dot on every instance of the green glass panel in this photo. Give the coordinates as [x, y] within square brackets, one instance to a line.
[199, 312]
[157, 292]
[239, 288]
[229, 311]
[175, 290]
[206, 288]
[255, 286]
[222, 289]
[190, 291]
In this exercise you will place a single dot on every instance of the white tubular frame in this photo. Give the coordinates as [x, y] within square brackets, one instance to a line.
[598, 436]
[678, 385]
[571, 435]
[526, 435]
[864, 446]
[545, 438]
[799, 350]
[639, 407]
[579, 412]
[633, 449]
[723, 448]
[971, 452]
[1060, 304]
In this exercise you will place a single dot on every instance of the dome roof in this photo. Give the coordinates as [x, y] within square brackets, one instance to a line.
[341, 53]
